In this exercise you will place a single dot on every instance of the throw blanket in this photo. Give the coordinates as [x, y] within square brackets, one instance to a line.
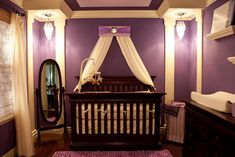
[161, 153]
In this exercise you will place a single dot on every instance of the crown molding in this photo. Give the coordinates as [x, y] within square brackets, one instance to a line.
[48, 5]
[115, 14]
[163, 8]
[209, 2]
[180, 4]
[18, 2]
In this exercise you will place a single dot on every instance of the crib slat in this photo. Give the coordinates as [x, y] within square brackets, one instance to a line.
[118, 117]
[92, 119]
[124, 118]
[86, 118]
[150, 118]
[99, 118]
[137, 118]
[105, 119]
[112, 118]
[144, 119]
[80, 118]
[131, 118]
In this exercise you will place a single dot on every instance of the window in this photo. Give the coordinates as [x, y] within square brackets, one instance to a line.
[6, 97]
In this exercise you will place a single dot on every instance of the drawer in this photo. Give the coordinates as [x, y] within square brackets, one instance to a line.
[191, 151]
[223, 142]
[197, 124]
[218, 152]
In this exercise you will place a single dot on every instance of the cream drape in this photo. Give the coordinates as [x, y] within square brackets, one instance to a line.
[98, 54]
[25, 145]
[129, 52]
[133, 60]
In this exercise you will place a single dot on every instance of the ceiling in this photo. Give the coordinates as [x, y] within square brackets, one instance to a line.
[77, 5]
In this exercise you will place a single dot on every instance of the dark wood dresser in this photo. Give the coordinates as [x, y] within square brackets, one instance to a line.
[208, 133]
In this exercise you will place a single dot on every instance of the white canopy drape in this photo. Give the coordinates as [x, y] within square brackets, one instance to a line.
[96, 59]
[122, 33]
[133, 60]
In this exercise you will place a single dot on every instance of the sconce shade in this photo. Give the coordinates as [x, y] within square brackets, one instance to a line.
[180, 29]
[48, 29]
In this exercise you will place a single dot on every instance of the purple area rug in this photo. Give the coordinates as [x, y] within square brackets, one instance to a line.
[160, 153]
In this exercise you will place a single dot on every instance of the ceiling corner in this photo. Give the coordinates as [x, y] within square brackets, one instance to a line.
[209, 2]
[163, 8]
[169, 5]
[18, 2]
[60, 5]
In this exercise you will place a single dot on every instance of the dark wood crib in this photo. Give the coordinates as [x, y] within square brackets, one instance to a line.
[117, 118]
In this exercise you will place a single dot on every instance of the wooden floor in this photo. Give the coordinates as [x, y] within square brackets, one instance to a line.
[51, 143]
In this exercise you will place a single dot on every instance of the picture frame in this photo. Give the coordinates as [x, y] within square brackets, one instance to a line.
[223, 16]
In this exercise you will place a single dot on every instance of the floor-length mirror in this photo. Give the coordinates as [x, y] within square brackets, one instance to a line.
[50, 98]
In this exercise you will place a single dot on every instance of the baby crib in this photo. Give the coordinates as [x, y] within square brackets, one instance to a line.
[111, 120]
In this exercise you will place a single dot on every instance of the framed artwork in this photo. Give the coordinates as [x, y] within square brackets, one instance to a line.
[223, 16]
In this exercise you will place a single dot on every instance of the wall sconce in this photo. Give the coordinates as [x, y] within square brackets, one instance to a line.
[48, 27]
[180, 26]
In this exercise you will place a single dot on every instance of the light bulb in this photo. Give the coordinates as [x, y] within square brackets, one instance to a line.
[180, 29]
[48, 29]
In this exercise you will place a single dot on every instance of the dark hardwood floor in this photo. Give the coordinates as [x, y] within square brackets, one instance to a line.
[51, 143]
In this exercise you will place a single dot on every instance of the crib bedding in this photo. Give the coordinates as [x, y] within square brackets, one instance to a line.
[124, 115]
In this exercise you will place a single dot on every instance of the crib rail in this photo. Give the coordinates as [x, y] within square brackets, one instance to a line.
[117, 84]
[115, 120]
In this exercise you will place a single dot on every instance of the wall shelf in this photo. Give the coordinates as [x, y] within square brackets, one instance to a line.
[231, 59]
[230, 30]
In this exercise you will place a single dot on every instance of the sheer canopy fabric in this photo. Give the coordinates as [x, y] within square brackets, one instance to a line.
[95, 60]
[122, 33]
[133, 60]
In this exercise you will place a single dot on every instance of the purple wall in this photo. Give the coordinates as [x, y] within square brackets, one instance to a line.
[193, 58]
[42, 48]
[146, 34]
[8, 137]
[218, 73]
[183, 51]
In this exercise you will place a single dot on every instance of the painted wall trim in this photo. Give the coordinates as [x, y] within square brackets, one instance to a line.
[169, 59]
[11, 153]
[60, 46]
[115, 14]
[198, 16]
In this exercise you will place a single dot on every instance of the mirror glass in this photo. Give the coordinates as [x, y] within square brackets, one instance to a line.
[50, 90]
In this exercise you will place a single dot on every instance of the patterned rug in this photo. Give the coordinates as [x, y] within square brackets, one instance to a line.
[161, 153]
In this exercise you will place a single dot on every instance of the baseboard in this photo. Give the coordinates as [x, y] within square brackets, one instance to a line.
[11, 153]
[54, 131]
